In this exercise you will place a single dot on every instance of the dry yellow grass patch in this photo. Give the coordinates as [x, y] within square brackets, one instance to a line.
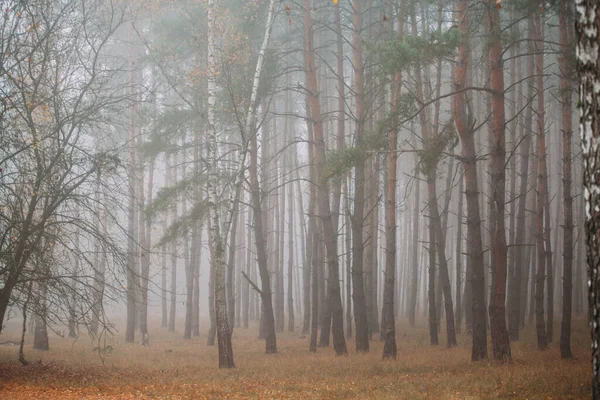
[172, 368]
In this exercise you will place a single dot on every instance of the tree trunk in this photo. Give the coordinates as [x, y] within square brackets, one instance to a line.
[173, 299]
[146, 224]
[414, 281]
[348, 249]
[40, 335]
[458, 255]
[519, 272]
[246, 306]
[216, 238]
[267, 316]
[540, 324]
[387, 314]
[197, 251]
[334, 301]
[99, 280]
[588, 51]
[500, 342]
[566, 91]
[196, 288]
[464, 122]
[188, 258]
[358, 290]
[290, 272]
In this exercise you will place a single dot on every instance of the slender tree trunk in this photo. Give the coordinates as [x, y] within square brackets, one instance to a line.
[387, 314]
[173, 297]
[218, 256]
[267, 315]
[197, 248]
[512, 166]
[99, 279]
[519, 272]
[348, 249]
[146, 224]
[132, 266]
[540, 324]
[290, 283]
[414, 281]
[196, 288]
[500, 341]
[246, 305]
[458, 255]
[567, 133]
[464, 121]
[358, 290]
[188, 258]
[231, 269]
[436, 235]
[334, 301]
[212, 330]
[374, 232]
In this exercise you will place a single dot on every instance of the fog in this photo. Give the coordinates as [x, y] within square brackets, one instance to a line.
[394, 185]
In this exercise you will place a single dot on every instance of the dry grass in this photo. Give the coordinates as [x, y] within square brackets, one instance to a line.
[176, 369]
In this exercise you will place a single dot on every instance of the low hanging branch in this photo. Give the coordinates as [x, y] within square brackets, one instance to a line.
[254, 286]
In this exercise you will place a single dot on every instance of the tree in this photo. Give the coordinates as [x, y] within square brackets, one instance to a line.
[588, 51]
[223, 331]
[358, 290]
[464, 121]
[54, 109]
[542, 338]
[566, 91]
[500, 341]
[334, 301]
[387, 315]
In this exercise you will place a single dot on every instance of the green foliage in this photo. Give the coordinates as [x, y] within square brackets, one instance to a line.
[395, 55]
[184, 224]
[435, 146]
[340, 162]
[169, 195]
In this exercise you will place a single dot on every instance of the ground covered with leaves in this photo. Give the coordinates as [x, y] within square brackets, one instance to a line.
[172, 368]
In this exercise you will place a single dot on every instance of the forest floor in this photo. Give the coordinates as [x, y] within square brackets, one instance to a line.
[172, 368]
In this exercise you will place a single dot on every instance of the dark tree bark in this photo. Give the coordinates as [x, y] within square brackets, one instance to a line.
[566, 90]
[519, 279]
[348, 239]
[212, 330]
[267, 315]
[542, 339]
[436, 236]
[588, 54]
[464, 122]
[500, 341]
[173, 294]
[40, 334]
[334, 301]
[246, 306]
[146, 225]
[458, 255]
[414, 281]
[358, 289]
[387, 314]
